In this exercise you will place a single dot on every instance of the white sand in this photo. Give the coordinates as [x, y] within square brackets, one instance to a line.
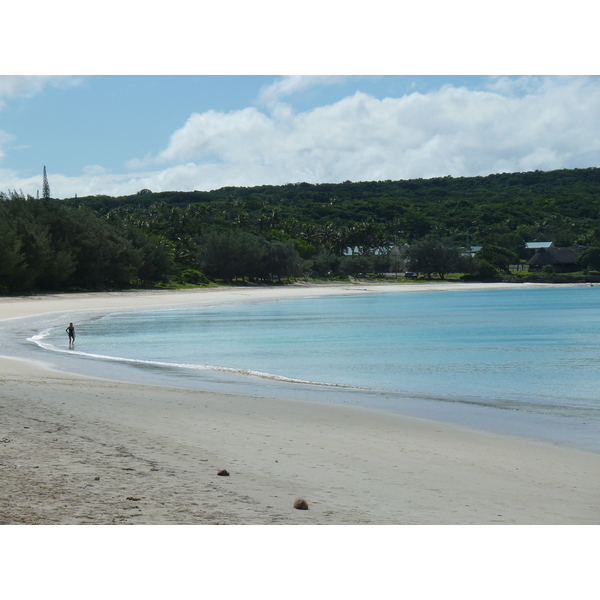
[81, 450]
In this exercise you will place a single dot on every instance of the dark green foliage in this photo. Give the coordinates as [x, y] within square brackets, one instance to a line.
[434, 254]
[506, 210]
[104, 255]
[325, 263]
[357, 264]
[384, 263]
[239, 255]
[142, 237]
[47, 260]
[157, 258]
[414, 225]
[485, 271]
[194, 277]
[513, 241]
[12, 260]
[45, 186]
[498, 256]
[282, 260]
[589, 259]
[47, 246]
[230, 255]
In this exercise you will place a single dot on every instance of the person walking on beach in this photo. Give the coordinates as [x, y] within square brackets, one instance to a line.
[71, 333]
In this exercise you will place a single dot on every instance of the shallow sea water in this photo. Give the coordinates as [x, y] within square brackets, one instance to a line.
[520, 360]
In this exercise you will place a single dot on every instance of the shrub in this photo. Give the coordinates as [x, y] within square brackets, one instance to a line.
[356, 264]
[589, 258]
[193, 277]
[486, 270]
[325, 263]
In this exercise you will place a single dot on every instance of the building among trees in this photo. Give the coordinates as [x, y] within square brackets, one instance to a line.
[562, 259]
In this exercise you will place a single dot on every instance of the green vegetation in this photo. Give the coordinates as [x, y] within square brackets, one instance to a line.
[434, 254]
[562, 206]
[590, 258]
[49, 246]
[275, 233]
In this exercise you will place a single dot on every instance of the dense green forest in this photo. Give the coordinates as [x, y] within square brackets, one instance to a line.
[282, 232]
[47, 245]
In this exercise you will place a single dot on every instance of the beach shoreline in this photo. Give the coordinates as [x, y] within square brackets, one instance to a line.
[31, 305]
[81, 450]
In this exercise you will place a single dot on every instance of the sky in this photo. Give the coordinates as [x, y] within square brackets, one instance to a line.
[117, 134]
[120, 100]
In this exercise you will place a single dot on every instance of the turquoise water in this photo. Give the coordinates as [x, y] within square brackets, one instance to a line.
[530, 350]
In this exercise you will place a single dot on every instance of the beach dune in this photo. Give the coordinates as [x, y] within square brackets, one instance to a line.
[78, 450]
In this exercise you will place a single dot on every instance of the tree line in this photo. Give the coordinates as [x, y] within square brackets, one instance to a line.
[45, 245]
[274, 233]
[48, 245]
[562, 206]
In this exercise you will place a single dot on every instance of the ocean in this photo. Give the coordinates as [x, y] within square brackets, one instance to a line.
[521, 361]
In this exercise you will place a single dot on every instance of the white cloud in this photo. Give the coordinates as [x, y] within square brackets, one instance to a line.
[452, 131]
[13, 86]
[522, 125]
[512, 86]
[286, 86]
[232, 135]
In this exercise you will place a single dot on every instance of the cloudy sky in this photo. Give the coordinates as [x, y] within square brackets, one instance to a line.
[114, 133]
[117, 134]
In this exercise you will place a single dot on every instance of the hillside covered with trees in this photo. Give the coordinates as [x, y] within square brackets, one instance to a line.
[282, 232]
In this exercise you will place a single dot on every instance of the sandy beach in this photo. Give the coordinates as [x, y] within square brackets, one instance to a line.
[77, 450]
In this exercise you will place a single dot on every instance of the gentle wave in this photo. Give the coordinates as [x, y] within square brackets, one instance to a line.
[37, 339]
[482, 399]
[521, 406]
